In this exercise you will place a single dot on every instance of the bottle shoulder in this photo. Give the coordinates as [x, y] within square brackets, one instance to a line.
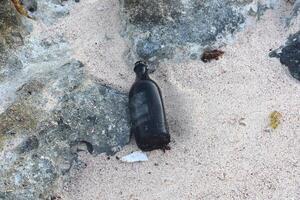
[143, 85]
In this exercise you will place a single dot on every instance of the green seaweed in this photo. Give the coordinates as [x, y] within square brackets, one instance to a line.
[275, 118]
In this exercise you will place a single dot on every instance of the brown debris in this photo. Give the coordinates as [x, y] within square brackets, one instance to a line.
[20, 8]
[275, 118]
[207, 56]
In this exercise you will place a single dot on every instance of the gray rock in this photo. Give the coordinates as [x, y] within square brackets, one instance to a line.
[183, 29]
[49, 110]
[55, 112]
[50, 10]
[28, 144]
[294, 13]
[296, 8]
[11, 30]
[289, 55]
[161, 29]
[30, 5]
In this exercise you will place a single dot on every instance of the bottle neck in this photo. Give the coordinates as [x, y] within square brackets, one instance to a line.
[141, 71]
[142, 76]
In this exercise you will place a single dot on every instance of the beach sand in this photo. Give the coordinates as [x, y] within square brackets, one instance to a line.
[222, 146]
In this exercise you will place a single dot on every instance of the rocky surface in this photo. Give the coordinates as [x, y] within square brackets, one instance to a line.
[181, 29]
[30, 5]
[57, 113]
[49, 110]
[11, 30]
[51, 10]
[289, 55]
[296, 8]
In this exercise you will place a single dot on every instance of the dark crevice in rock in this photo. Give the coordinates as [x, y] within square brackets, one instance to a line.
[30, 5]
[28, 144]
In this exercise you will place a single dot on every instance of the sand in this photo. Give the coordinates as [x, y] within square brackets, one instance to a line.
[222, 146]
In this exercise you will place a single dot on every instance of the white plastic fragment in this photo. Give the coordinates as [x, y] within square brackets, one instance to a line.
[137, 156]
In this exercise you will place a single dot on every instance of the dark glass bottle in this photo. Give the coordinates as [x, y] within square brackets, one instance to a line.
[148, 119]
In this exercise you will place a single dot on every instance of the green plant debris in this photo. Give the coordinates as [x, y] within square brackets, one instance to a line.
[275, 118]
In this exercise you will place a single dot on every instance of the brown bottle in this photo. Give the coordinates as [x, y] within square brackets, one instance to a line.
[148, 119]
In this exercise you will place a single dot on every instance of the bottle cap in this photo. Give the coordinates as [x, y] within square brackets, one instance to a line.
[140, 67]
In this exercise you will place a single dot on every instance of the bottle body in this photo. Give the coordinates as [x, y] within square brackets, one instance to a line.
[148, 120]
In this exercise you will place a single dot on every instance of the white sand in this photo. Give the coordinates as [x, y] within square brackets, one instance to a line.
[218, 113]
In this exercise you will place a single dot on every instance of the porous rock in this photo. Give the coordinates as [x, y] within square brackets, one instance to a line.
[50, 109]
[53, 113]
[173, 28]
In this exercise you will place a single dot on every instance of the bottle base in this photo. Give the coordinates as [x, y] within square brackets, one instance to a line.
[154, 142]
